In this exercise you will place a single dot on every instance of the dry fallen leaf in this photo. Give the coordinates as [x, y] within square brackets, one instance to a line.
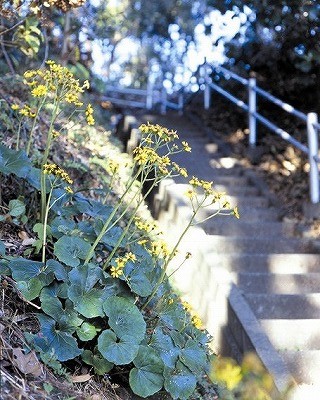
[81, 378]
[27, 363]
[23, 235]
[95, 397]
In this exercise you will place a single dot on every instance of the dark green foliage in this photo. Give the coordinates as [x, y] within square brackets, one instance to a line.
[86, 313]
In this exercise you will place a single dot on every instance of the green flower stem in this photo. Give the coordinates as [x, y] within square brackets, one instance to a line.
[44, 161]
[18, 135]
[172, 254]
[133, 215]
[106, 225]
[45, 224]
[34, 125]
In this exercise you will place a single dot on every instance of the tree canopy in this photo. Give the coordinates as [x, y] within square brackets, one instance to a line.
[277, 40]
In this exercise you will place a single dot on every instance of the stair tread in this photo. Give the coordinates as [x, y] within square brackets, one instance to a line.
[278, 283]
[285, 306]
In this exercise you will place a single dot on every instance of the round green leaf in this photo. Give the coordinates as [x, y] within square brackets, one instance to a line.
[86, 332]
[86, 298]
[119, 352]
[138, 279]
[67, 318]
[2, 249]
[147, 376]
[64, 345]
[194, 357]
[14, 162]
[101, 365]
[16, 208]
[165, 346]
[23, 269]
[125, 318]
[70, 250]
[179, 382]
[30, 289]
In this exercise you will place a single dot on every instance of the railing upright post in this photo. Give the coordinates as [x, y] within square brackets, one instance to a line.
[252, 111]
[206, 88]
[312, 121]
[180, 103]
[149, 97]
[163, 100]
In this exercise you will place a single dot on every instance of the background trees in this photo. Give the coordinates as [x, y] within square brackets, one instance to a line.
[277, 40]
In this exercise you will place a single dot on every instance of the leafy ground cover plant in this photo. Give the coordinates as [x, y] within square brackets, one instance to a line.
[96, 273]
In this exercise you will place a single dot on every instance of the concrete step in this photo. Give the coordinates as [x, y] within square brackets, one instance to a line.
[237, 190]
[251, 202]
[285, 306]
[264, 263]
[304, 366]
[278, 283]
[229, 180]
[247, 214]
[258, 245]
[232, 227]
[293, 334]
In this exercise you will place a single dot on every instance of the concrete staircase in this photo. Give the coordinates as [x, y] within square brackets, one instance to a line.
[256, 286]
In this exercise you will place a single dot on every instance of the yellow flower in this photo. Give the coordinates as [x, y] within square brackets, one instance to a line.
[186, 147]
[68, 189]
[227, 371]
[86, 84]
[55, 134]
[15, 107]
[236, 212]
[190, 193]
[186, 306]
[29, 74]
[130, 257]
[196, 321]
[39, 91]
[116, 272]
[89, 115]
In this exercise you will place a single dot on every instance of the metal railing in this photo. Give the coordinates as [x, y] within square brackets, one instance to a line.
[310, 119]
[153, 96]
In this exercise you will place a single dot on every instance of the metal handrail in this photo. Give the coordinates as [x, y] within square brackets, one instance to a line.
[154, 95]
[311, 120]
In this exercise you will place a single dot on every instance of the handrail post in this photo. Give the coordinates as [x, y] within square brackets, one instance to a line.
[180, 103]
[206, 88]
[163, 100]
[149, 97]
[312, 121]
[252, 111]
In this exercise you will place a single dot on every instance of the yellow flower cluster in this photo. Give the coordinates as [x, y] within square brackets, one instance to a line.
[89, 115]
[117, 270]
[113, 167]
[145, 155]
[39, 91]
[145, 226]
[180, 170]
[57, 81]
[227, 371]
[186, 147]
[55, 170]
[159, 248]
[205, 185]
[158, 131]
[26, 110]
